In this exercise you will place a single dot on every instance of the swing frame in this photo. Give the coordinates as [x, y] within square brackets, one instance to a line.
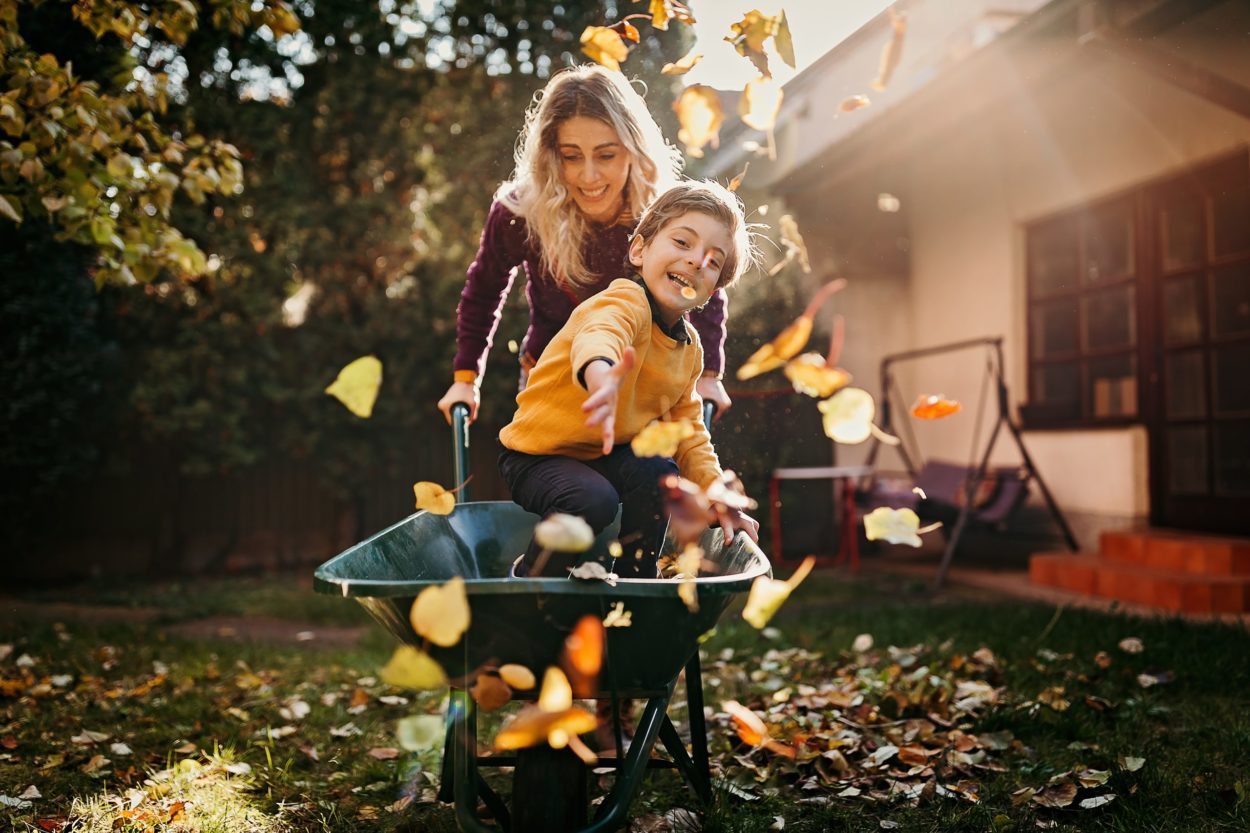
[993, 346]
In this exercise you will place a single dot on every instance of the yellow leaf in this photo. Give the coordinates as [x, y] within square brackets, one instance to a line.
[433, 498]
[749, 35]
[660, 439]
[854, 102]
[750, 728]
[688, 564]
[618, 617]
[11, 208]
[895, 526]
[441, 612]
[700, 115]
[357, 385]
[564, 533]
[411, 668]
[892, 52]
[736, 182]
[517, 676]
[604, 46]
[783, 41]
[556, 694]
[793, 241]
[848, 415]
[490, 692]
[768, 594]
[781, 349]
[532, 726]
[810, 376]
[683, 65]
[760, 102]
[659, 14]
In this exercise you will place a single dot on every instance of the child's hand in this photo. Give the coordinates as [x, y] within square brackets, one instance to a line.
[731, 519]
[603, 382]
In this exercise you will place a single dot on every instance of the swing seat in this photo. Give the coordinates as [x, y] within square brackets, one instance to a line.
[944, 484]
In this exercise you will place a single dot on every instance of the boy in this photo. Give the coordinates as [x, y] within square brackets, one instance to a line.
[627, 357]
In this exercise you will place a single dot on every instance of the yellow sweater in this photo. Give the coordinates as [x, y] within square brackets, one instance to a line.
[549, 417]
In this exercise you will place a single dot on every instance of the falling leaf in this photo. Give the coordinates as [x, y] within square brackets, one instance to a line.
[490, 692]
[659, 14]
[760, 103]
[661, 438]
[517, 676]
[793, 241]
[684, 65]
[532, 726]
[441, 612]
[812, 377]
[411, 668]
[791, 340]
[420, 732]
[892, 52]
[736, 182]
[934, 407]
[768, 594]
[556, 694]
[688, 571]
[700, 116]
[564, 533]
[357, 385]
[1132, 645]
[433, 498]
[783, 41]
[854, 102]
[751, 33]
[629, 32]
[593, 571]
[618, 617]
[583, 648]
[848, 415]
[604, 46]
[895, 526]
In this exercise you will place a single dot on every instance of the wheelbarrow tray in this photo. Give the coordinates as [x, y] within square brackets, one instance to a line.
[526, 620]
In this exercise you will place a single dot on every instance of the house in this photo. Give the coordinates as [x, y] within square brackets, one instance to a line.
[1074, 176]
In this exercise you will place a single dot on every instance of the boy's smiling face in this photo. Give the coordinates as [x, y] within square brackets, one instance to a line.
[681, 264]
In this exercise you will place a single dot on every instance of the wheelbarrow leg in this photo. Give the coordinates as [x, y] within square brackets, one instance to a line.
[612, 813]
[702, 781]
[466, 783]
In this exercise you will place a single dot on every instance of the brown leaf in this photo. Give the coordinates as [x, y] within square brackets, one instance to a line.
[682, 65]
[736, 182]
[892, 52]
[360, 697]
[1057, 795]
[749, 36]
[490, 692]
[853, 103]
[177, 812]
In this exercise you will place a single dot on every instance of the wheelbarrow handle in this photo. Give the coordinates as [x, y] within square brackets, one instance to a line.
[709, 411]
[460, 449]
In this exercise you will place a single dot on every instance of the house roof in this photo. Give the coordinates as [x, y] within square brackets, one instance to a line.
[953, 94]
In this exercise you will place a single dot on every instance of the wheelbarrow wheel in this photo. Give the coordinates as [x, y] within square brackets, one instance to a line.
[549, 790]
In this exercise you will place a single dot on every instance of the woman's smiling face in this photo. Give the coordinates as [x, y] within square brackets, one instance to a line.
[594, 165]
[681, 264]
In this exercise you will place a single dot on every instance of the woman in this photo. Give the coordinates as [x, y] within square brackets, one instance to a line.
[589, 159]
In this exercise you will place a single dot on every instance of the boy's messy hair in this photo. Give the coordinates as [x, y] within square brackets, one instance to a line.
[719, 203]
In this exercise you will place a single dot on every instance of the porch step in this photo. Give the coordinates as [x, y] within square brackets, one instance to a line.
[1177, 591]
[1181, 552]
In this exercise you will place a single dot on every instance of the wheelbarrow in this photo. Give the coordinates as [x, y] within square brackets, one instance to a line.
[526, 621]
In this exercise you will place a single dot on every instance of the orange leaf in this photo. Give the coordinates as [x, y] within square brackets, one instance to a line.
[433, 498]
[736, 182]
[750, 728]
[700, 115]
[683, 65]
[659, 14]
[532, 726]
[177, 812]
[490, 692]
[854, 102]
[629, 31]
[584, 647]
[810, 376]
[604, 46]
[934, 407]
[781, 349]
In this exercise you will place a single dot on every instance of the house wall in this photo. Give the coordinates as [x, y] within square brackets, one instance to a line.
[1097, 127]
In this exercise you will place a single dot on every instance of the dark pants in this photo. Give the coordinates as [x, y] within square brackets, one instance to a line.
[592, 490]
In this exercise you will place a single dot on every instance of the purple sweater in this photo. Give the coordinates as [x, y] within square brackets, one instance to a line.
[505, 245]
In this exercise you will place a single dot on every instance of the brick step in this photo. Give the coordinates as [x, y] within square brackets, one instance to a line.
[1182, 552]
[1176, 591]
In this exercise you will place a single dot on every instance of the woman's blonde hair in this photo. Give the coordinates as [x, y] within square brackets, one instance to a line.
[537, 191]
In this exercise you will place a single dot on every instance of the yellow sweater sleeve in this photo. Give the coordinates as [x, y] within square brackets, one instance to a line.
[605, 326]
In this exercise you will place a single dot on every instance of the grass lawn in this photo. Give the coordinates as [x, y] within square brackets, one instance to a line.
[122, 727]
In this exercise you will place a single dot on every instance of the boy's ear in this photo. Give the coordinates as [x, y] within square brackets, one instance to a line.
[636, 245]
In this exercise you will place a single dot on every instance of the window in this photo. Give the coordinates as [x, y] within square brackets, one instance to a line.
[1082, 315]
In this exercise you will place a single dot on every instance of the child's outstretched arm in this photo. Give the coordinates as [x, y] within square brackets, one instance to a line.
[603, 381]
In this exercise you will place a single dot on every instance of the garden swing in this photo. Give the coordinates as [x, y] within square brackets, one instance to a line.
[951, 492]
